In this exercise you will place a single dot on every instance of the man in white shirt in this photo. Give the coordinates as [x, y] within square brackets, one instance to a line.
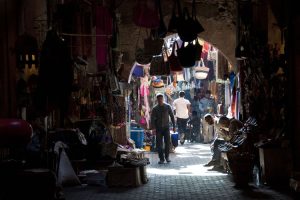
[182, 108]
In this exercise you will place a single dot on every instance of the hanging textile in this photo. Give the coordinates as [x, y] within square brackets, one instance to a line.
[227, 94]
[238, 97]
[55, 74]
[187, 74]
[145, 94]
[76, 19]
[222, 67]
[211, 72]
[204, 54]
[104, 25]
[234, 98]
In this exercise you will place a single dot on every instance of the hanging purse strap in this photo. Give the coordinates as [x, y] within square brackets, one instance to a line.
[194, 14]
[138, 38]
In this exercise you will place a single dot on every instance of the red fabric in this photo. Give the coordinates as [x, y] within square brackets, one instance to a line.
[233, 100]
[14, 132]
[103, 27]
[206, 46]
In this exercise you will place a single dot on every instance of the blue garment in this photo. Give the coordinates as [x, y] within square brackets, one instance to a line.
[188, 95]
[207, 105]
[181, 125]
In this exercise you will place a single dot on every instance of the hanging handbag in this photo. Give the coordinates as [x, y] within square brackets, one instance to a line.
[145, 14]
[187, 55]
[140, 56]
[186, 27]
[153, 44]
[173, 23]
[198, 50]
[159, 65]
[197, 26]
[175, 65]
[162, 29]
[138, 70]
[201, 71]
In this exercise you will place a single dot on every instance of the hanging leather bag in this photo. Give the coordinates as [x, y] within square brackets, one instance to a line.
[162, 28]
[140, 55]
[198, 50]
[186, 27]
[187, 55]
[153, 44]
[159, 65]
[173, 23]
[197, 26]
[175, 65]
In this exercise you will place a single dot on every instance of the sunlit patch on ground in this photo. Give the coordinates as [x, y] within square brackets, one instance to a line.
[182, 164]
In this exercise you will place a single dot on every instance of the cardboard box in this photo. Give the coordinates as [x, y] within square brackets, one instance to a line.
[120, 176]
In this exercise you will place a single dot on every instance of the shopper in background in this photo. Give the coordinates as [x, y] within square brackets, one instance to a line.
[194, 123]
[195, 104]
[207, 105]
[160, 115]
[182, 109]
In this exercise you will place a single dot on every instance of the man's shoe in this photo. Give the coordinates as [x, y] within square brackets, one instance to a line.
[168, 160]
[182, 139]
[161, 162]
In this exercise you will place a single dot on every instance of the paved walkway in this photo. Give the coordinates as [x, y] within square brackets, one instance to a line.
[184, 178]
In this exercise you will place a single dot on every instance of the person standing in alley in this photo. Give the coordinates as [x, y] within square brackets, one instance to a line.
[182, 109]
[207, 105]
[160, 115]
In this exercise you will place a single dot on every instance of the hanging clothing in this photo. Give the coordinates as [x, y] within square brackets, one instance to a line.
[55, 75]
[187, 74]
[227, 94]
[104, 26]
[233, 104]
[144, 91]
[211, 72]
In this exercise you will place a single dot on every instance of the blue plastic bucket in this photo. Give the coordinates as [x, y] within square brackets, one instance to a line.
[137, 135]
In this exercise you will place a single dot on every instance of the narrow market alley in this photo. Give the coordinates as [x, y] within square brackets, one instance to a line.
[184, 178]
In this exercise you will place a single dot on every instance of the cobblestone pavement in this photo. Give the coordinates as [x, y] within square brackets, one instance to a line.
[184, 178]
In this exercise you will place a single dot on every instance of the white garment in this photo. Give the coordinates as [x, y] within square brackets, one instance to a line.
[181, 107]
[227, 94]
[187, 74]
[207, 131]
